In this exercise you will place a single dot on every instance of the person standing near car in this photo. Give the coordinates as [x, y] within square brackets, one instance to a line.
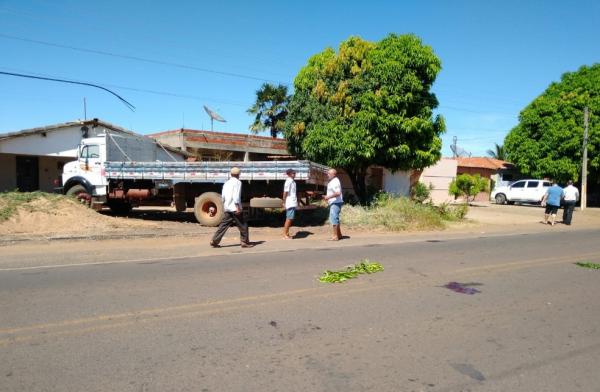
[290, 202]
[232, 204]
[552, 201]
[570, 197]
[336, 201]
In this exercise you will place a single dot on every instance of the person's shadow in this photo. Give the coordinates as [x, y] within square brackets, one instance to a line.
[302, 234]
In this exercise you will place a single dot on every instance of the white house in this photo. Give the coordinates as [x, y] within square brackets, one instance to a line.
[32, 159]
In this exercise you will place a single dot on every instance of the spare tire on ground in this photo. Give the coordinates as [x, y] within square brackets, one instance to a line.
[266, 202]
[208, 209]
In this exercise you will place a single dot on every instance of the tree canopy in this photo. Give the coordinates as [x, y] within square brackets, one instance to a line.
[548, 140]
[367, 104]
[270, 109]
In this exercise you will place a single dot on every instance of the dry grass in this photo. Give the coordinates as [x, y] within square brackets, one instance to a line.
[401, 214]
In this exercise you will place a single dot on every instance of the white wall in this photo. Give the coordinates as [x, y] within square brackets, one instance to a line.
[397, 183]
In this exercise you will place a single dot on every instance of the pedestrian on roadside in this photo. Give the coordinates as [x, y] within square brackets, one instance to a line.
[336, 201]
[290, 202]
[232, 204]
[570, 197]
[552, 201]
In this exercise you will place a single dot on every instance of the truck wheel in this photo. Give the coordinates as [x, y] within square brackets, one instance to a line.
[500, 198]
[81, 194]
[179, 198]
[120, 207]
[266, 202]
[208, 209]
[180, 204]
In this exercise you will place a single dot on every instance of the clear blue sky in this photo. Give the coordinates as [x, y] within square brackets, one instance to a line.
[496, 56]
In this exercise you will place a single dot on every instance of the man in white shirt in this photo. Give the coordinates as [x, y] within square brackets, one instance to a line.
[290, 202]
[232, 204]
[570, 197]
[336, 201]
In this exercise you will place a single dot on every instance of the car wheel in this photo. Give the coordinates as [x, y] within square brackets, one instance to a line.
[500, 198]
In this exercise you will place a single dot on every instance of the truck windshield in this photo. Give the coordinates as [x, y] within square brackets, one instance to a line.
[90, 151]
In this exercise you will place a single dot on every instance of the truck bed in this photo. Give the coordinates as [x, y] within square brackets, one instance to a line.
[215, 172]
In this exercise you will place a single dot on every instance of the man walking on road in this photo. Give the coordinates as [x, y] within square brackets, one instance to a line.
[290, 202]
[335, 200]
[552, 200]
[570, 197]
[232, 203]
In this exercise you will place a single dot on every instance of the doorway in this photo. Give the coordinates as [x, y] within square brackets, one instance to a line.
[28, 174]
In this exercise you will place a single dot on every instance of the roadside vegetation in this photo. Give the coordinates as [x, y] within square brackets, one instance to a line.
[11, 202]
[391, 213]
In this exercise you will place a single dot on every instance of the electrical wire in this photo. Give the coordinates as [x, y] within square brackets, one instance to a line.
[129, 105]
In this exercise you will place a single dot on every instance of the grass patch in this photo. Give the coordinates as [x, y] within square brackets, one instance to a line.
[400, 214]
[350, 272]
[587, 264]
[10, 202]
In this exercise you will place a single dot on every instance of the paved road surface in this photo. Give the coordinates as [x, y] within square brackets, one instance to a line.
[260, 320]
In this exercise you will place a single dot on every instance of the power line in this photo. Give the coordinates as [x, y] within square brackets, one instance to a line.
[129, 105]
[136, 58]
[155, 92]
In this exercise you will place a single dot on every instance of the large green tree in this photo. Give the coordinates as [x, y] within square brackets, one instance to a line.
[548, 140]
[367, 104]
[270, 109]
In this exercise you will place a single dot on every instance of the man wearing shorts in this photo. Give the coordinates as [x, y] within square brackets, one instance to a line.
[335, 200]
[552, 200]
[290, 202]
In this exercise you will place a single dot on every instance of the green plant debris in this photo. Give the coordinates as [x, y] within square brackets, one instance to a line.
[587, 264]
[352, 271]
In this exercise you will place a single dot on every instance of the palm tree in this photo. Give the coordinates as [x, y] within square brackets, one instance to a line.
[499, 152]
[270, 109]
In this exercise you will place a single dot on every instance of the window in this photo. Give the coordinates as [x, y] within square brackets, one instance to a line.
[90, 151]
[547, 184]
[520, 184]
[532, 184]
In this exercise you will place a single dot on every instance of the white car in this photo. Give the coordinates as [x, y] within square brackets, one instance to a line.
[522, 191]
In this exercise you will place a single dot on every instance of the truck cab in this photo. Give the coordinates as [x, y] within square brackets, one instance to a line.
[85, 178]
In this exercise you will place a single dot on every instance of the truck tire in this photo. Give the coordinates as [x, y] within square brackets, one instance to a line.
[120, 207]
[208, 209]
[179, 198]
[81, 194]
[500, 198]
[266, 202]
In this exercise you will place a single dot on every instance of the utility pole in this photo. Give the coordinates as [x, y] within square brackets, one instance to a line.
[84, 110]
[584, 163]
[454, 153]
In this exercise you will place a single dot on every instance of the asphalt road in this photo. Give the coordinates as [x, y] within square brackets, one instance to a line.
[260, 320]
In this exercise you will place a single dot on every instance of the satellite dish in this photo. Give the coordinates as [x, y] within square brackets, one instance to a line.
[213, 116]
[459, 152]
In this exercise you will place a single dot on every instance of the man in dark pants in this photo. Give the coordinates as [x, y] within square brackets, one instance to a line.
[232, 203]
[570, 197]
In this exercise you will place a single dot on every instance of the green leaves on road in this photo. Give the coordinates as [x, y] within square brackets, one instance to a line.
[352, 271]
[588, 265]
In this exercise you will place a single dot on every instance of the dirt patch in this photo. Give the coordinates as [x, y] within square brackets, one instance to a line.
[64, 216]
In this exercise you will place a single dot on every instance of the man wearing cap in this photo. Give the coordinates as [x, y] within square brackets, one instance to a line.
[232, 203]
[290, 202]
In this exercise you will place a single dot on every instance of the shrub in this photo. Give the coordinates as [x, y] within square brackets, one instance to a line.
[420, 192]
[467, 185]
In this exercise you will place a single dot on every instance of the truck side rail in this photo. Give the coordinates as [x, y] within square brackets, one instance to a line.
[215, 172]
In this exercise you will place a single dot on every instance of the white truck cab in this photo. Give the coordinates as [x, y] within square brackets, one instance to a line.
[88, 169]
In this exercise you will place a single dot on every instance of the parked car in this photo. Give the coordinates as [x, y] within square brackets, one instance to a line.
[522, 191]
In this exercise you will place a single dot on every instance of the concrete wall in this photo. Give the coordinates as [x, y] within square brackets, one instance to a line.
[8, 172]
[440, 176]
[397, 183]
[50, 169]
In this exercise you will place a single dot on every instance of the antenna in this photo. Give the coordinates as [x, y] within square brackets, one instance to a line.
[213, 116]
[84, 110]
[457, 151]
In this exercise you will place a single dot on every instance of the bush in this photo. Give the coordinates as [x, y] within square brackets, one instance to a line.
[468, 186]
[420, 192]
